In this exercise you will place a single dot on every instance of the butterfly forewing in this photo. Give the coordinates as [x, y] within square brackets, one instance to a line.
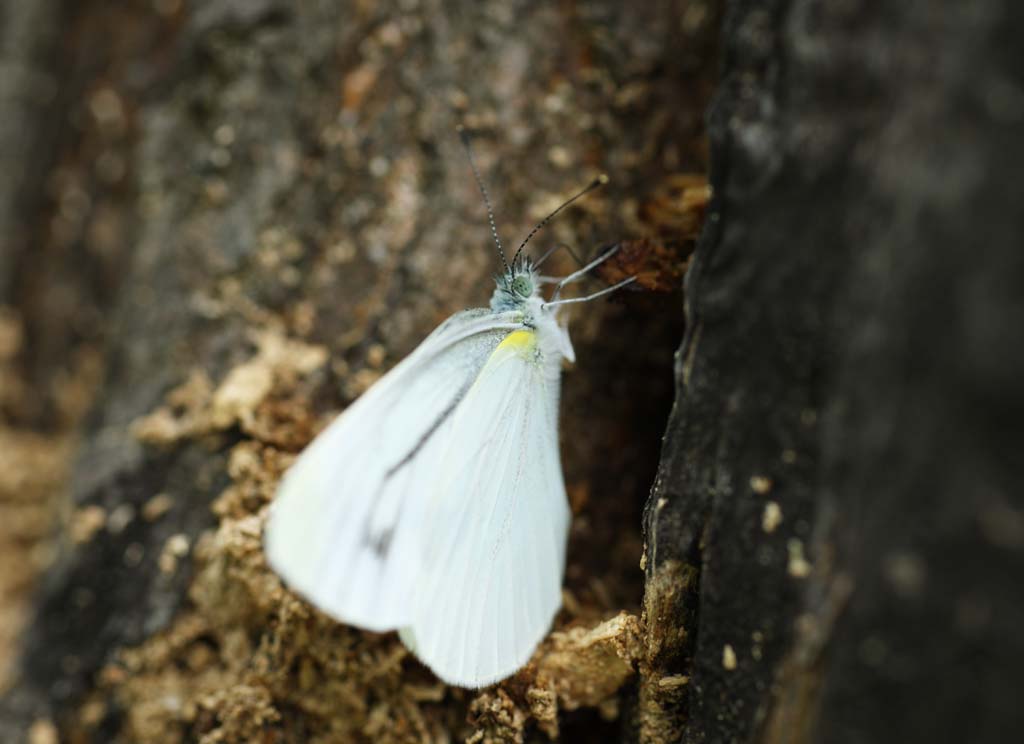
[345, 528]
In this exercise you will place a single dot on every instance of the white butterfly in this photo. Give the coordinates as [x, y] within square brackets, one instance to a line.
[435, 505]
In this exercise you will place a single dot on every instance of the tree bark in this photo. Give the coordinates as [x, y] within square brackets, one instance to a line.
[837, 495]
[274, 208]
[249, 210]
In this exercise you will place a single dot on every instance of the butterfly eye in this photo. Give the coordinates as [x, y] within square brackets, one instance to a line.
[522, 286]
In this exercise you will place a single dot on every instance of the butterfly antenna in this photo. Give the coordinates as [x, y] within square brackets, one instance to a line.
[464, 138]
[599, 181]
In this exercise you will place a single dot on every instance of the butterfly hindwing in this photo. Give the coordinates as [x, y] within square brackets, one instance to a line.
[497, 523]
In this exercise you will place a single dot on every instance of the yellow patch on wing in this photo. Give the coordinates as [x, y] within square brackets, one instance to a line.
[521, 341]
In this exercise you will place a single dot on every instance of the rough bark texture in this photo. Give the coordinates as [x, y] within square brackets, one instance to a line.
[838, 496]
[221, 222]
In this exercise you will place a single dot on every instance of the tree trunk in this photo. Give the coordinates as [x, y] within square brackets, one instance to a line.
[836, 495]
[249, 210]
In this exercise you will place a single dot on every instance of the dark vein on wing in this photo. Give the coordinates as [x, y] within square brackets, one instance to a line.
[380, 543]
[425, 437]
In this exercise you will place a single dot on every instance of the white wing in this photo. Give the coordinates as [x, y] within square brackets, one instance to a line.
[497, 523]
[345, 527]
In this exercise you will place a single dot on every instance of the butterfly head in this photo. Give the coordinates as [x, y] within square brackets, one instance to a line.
[515, 286]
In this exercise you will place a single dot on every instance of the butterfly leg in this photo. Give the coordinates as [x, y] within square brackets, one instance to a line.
[580, 273]
[551, 251]
[588, 298]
